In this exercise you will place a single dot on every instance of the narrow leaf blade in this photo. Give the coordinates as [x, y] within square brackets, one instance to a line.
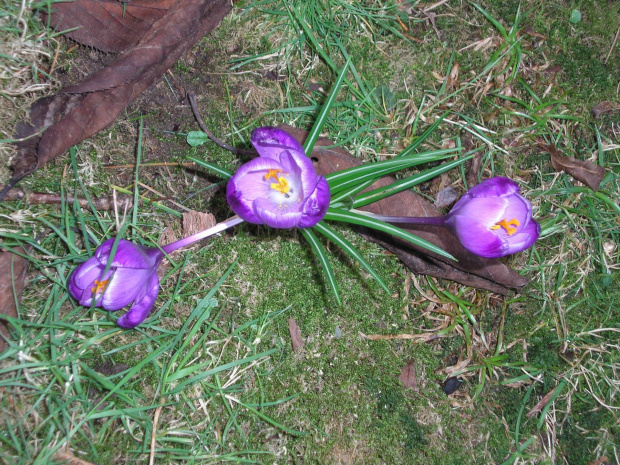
[322, 256]
[334, 214]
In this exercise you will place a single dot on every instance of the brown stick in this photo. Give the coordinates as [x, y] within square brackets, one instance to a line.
[40, 198]
[192, 101]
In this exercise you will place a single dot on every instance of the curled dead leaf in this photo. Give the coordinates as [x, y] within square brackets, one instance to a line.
[604, 107]
[408, 377]
[584, 171]
[296, 340]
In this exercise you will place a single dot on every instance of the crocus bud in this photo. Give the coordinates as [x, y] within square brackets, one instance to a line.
[492, 220]
[280, 188]
[131, 279]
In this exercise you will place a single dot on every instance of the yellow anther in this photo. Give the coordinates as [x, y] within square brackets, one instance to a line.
[281, 186]
[272, 174]
[509, 226]
[99, 286]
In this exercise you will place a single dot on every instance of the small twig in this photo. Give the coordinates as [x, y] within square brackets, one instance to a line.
[162, 197]
[42, 198]
[154, 435]
[192, 101]
[143, 165]
[613, 44]
[435, 5]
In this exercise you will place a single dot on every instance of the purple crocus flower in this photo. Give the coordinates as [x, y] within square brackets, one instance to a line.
[491, 219]
[131, 278]
[280, 188]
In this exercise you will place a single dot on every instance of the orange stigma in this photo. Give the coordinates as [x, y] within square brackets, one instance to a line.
[99, 286]
[509, 226]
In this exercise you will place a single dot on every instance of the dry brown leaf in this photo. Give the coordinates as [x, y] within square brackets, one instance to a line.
[601, 461]
[81, 110]
[296, 340]
[67, 457]
[540, 405]
[584, 171]
[195, 222]
[470, 269]
[12, 277]
[407, 376]
[119, 25]
[604, 107]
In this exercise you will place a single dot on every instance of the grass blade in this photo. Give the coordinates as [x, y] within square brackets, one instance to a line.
[322, 256]
[345, 245]
[352, 177]
[399, 186]
[334, 214]
[212, 167]
[324, 113]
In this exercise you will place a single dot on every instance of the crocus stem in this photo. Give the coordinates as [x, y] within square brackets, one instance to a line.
[432, 220]
[229, 223]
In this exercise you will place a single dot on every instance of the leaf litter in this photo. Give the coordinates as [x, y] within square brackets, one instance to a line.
[151, 37]
[13, 270]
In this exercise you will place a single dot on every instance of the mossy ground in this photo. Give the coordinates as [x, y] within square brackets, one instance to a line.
[341, 391]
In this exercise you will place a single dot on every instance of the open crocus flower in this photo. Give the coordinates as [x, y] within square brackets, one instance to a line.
[280, 188]
[131, 277]
[491, 219]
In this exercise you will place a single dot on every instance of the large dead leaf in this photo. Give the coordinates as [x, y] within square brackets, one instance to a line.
[12, 277]
[119, 25]
[153, 34]
[470, 270]
[584, 171]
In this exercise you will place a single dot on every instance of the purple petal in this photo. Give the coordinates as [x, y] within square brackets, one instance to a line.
[124, 287]
[524, 239]
[478, 239]
[141, 307]
[494, 187]
[269, 142]
[247, 185]
[294, 172]
[486, 211]
[83, 277]
[301, 166]
[273, 216]
[316, 205]
[128, 255]
[520, 209]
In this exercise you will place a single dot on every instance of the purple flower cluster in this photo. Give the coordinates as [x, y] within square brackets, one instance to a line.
[281, 189]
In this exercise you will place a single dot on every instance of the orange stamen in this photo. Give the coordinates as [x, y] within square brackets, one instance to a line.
[99, 286]
[272, 174]
[509, 226]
